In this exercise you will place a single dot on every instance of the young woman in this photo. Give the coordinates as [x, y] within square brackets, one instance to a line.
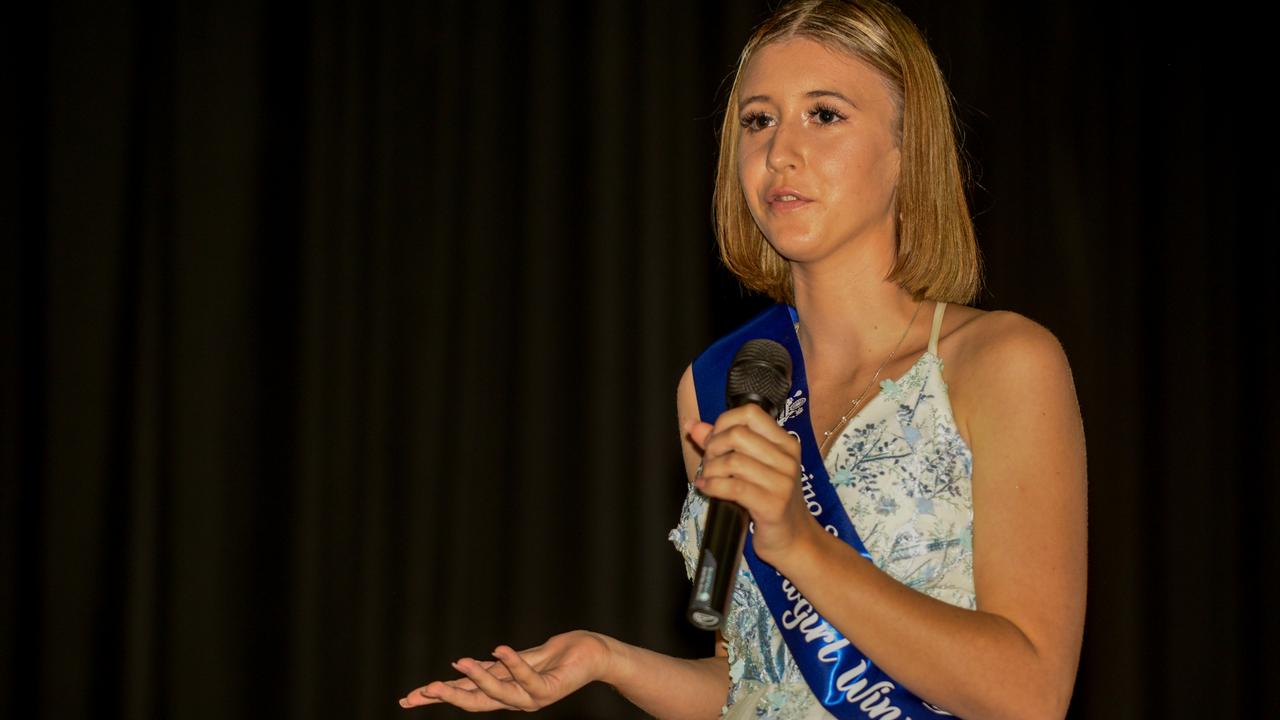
[946, 574]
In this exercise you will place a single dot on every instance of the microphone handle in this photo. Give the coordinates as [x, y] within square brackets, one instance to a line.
[724, 535]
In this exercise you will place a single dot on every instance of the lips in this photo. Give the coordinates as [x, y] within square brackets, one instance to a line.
[786, 205]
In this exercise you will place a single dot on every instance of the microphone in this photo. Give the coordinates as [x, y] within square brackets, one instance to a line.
[760, 374]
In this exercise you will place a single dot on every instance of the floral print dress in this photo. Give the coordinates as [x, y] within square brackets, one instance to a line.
[903, 474]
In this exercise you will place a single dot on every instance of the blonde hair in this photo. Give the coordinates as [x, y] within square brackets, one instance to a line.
[936, 254]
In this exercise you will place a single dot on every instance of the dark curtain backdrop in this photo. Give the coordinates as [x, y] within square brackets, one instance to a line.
[341, 340]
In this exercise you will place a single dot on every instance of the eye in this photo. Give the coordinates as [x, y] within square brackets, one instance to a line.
[826, 116]
[823, 110]
[748, 121]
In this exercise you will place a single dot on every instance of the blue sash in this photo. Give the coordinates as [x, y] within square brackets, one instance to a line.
[843, 679]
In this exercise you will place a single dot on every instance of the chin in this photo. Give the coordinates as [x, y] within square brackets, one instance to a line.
[797, 247]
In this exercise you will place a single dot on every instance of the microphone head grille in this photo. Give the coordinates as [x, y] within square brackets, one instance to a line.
[761, 373]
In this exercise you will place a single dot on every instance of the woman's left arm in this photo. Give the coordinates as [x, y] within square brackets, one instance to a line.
[1016, 655]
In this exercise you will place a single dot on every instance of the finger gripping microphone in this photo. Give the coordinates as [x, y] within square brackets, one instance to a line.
[760, 374]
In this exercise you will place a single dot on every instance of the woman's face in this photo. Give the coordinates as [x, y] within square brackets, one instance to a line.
[820, 123]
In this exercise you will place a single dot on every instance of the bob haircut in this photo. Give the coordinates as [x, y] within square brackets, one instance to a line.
[936, 254]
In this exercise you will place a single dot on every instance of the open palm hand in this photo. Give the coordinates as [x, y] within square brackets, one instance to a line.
[526, 680]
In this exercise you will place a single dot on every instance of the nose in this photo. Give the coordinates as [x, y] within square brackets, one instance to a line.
[784, 150]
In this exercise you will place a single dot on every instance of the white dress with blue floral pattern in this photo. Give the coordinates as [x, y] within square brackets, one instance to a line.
[903, 474]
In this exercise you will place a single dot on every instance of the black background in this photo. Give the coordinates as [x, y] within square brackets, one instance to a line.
[341, 340]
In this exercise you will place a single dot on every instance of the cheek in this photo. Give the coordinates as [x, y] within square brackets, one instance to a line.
[747, 163]
[857, 172]
[750, 175]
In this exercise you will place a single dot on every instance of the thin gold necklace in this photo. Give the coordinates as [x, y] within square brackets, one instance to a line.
[857, 401]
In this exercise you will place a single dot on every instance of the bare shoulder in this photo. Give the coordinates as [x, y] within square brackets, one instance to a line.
[993, 340]
[687, 398]
[997, 357]
[686, 412]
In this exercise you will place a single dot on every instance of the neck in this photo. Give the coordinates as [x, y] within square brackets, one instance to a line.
[850, 317]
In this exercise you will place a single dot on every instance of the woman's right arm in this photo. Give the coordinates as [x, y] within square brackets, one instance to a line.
[668, 687]
[531, 679]
[661, 685]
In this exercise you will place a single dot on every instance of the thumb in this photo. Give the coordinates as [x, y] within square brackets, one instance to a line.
[698, 432]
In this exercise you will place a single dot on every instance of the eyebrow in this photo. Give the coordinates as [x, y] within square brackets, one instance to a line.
[810, 94]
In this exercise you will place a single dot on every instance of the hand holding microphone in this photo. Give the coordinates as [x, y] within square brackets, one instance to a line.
[749, 468]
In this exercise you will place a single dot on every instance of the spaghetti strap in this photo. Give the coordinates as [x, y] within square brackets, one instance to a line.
[937, 327]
